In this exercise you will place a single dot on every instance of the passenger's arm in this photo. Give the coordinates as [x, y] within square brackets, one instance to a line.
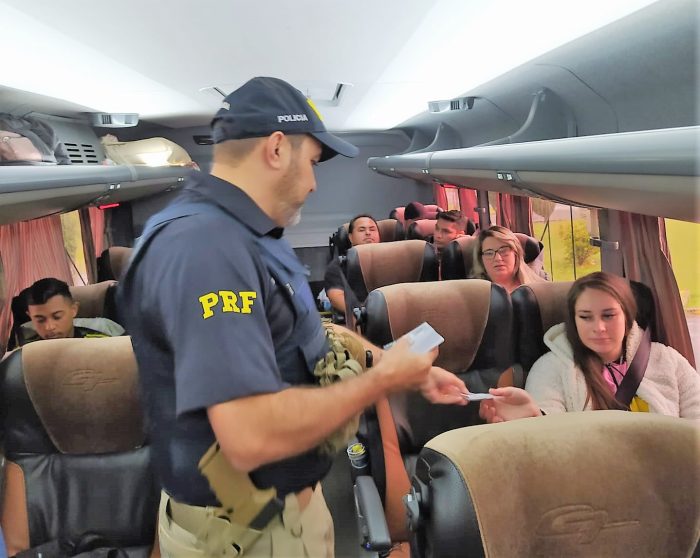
[337, 298]
[509, 403]
[545, 383]
[260, 429]
[688, 387]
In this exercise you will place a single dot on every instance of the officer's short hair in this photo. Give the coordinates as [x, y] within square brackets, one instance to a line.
[44, 289]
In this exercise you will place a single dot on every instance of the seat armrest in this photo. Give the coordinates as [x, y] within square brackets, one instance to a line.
[370, 513]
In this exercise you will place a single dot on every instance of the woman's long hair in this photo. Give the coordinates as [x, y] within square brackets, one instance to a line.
[587, 360]
[523, 272]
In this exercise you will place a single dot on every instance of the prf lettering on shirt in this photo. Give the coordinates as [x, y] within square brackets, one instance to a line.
[227, 301]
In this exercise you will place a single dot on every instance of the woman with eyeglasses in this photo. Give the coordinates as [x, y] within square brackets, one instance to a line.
[499, 258]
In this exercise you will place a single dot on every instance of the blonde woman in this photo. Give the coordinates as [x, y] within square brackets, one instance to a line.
[498, 257]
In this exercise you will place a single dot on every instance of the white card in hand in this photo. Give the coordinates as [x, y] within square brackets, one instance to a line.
[422, 338]
[477, 396]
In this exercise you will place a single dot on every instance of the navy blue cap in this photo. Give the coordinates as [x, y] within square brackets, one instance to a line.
[265, 105]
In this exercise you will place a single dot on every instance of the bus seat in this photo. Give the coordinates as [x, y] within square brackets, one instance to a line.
[474, 317]
[539, 306]
[389, 231]
[95, 301]
[112, 261]
[423, 229]
[457, 258]
[531, 247]
[576, 484]
[371, 266]
[77, 459]
[397, 213]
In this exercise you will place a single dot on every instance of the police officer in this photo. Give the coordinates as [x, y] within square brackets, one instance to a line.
[226, 335]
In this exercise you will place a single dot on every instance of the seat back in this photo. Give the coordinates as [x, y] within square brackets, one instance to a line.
[397, 213]
[534, 488]
[95, 301]
[112, 262]
[371, 266]
[539, 306]
[77, 458]
[474, 317]
[423, 229]
[458, 258]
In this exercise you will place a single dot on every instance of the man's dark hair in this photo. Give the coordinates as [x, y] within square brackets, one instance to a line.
[356, 217]
[44, 289]
[414, 210]
[453, 216]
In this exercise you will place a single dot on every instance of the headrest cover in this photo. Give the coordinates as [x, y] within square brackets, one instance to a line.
[422, 229]
[457, 310]
[86, 394]
[551, 298]
[91, 298]
[601, 483]
[389, 263]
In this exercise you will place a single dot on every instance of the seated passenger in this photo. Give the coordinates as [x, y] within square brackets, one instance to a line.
[53, 312]
[589, 359]
[498, 257]
[450, 225]
[361, 230]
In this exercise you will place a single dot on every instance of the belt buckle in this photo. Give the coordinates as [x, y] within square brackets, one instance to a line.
[273, 508]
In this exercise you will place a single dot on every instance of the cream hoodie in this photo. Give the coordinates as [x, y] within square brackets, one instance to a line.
[670, 385]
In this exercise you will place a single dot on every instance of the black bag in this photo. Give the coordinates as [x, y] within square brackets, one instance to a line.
[29, 141]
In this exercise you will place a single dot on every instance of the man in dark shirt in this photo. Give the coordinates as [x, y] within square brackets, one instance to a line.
[226, 335]
[52, 313]
[362, 229]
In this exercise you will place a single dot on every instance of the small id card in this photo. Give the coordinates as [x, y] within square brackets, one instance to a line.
[422, 339]
[477, 396]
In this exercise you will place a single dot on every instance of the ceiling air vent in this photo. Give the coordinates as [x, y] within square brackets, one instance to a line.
[113, 119]
[81, 153]
[455, 104]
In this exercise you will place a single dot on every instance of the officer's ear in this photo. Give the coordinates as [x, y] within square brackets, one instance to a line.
[273, 150]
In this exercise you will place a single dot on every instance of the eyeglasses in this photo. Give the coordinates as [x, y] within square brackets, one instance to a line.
[503, 251]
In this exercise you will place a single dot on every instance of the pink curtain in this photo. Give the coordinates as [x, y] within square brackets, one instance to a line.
[644, 260]
[30, 250]
[467, 201]
[440, 195]
[514, 213]
[97, 227]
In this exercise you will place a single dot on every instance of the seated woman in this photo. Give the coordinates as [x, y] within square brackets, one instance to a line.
[498, 257]
[589, 358]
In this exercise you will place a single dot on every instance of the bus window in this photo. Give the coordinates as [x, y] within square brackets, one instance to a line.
[565, 232]
[684, 246]
[73, 242]
[452, 198]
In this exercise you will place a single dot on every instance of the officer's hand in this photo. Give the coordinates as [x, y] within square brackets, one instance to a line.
[443, 387]
[401, 368]
[509, 403]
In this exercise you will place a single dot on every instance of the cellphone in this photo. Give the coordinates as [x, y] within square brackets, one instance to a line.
[422, 338]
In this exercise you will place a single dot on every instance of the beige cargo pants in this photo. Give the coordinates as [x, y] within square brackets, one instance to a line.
[297, 533]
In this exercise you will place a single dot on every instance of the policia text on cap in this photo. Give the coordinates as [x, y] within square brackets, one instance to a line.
[227, 336]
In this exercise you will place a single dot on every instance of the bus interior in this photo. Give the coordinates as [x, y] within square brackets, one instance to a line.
[576, 125]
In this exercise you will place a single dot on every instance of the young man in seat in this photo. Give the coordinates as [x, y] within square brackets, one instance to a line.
[450, 225]
[362, 229]
[52, 311]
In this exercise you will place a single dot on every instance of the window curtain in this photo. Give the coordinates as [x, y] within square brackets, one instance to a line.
[644, 260]
[97, 228]
[30, 250]
[89, 252]
[440, 195]
[514, 213]
[467, 201]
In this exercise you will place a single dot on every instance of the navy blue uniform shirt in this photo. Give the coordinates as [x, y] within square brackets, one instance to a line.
[205, 318]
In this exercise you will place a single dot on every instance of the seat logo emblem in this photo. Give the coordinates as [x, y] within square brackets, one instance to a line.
[88, 379]
[581, 521]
